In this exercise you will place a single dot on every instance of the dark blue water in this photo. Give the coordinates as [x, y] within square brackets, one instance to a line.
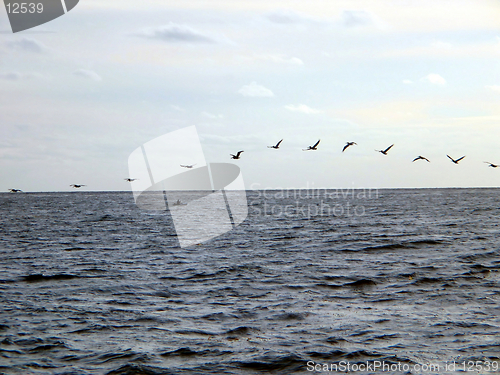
[90, 284]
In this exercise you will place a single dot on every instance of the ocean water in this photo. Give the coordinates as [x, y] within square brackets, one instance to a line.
[90, 284]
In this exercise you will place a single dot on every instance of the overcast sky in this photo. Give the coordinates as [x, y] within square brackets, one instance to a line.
[79, 94]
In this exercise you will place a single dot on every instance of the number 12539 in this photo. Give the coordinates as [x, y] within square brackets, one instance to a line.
[24, 8]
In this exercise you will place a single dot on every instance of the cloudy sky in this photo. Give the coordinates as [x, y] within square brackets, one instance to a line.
[79, 94]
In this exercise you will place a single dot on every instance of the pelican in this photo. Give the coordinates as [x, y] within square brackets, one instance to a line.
[455, 161]
[237, 156]
[76, 186]
[491, 164]
[276, 146]
[347, 145]
[421, 158]
[15, 190]
[314, 148]
[189, 166]
[130, 179]
[385, 151]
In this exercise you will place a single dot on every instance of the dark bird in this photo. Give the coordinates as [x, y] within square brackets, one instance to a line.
[421, 158]
[385, 151]
[188, 166]
[491, 164]
[76, 186]
[455, 161]
[315, 147]
[130, 179]
[348, 144]
[15, 190]
[276, 146]
[237, 156]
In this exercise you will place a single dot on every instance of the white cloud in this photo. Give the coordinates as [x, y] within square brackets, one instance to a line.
[275, 58]
[360, 18]
[282, 59]
[175, 33]
[441, 45]
[255, 90]
[435, 79]
[286, 17]
[27, 44]
[16, 76]
[177, 108]
[302, 108]
[407, 81]
[211, 115]
[90, 74]
[493, 87]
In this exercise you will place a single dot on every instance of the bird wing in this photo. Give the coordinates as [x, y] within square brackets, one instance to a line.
[460, 159]
[388, 148]
[278, 144]
[239, 153]
[417, 158]
[426, 159]
[316, 144]
[453, 160]
[347, 145]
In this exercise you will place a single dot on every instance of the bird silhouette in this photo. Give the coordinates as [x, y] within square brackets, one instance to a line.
[314, 148]
[76, 186]
[130, 179]
[15, 190]
[385, 151]
[348, 144]
[237, 156]
[421, 158]
[455, 161]
[491, 164]
[276, 146]
[189, 166]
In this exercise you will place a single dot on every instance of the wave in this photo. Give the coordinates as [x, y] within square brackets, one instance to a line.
[290, 363]
[41, 277]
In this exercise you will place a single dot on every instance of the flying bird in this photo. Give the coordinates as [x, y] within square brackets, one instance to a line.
[421, 158]
[15, 190]
[385, 151]
[76, 186]
[276, 146]
[237, 156]
[130, 179]
[348, 144]
[491, 164]
[189, 166]
[314, 148]
[455, 161]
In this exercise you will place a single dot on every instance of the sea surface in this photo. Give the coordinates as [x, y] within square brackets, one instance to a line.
[91, 284]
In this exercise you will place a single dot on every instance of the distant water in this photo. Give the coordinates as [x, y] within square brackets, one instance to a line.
[90, 284]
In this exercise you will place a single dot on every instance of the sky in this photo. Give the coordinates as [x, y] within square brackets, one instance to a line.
[79, 94]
